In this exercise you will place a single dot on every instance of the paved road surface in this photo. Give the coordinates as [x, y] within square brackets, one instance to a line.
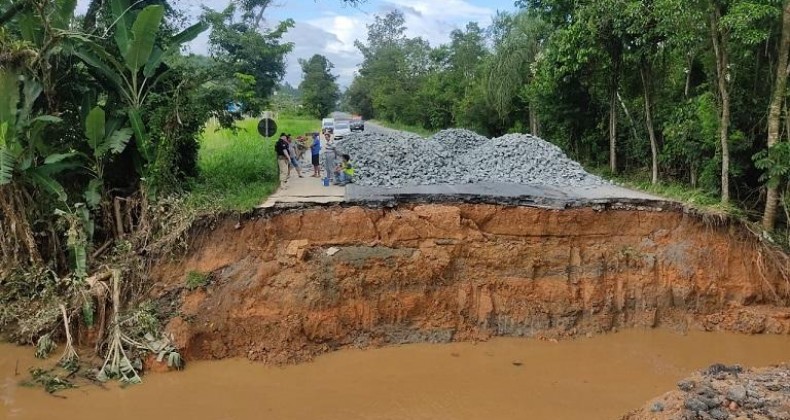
[369, 126]
[311, 190]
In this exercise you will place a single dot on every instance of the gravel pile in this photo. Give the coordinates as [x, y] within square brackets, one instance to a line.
[523, 159]
[389, 161]
[724, 392]
[459, 156]
[458, 140]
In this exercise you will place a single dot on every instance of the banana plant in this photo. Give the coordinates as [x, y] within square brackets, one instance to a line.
[24, 155]
[104, 138]
[142, 54]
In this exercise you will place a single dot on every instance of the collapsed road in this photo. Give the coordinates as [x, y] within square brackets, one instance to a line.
[567, 264]
[561, 254]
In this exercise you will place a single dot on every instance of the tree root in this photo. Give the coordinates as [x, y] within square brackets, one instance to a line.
[117, 364]
[69, 357]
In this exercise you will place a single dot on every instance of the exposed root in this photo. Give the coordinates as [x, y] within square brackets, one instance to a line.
[69, 357]
[770, 257]
[117, 364]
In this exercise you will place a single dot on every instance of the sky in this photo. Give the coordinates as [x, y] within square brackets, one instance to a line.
[329, 27]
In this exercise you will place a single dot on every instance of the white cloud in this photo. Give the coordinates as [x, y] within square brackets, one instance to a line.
[333, 32]
[431, 20]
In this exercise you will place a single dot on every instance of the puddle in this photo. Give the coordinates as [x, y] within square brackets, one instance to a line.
[598, 378]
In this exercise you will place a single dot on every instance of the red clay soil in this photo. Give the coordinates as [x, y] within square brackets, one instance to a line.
[285, 287]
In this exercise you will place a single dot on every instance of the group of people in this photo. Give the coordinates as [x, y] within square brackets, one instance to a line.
[289, 153]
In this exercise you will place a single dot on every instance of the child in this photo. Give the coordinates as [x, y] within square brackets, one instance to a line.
[346, 170]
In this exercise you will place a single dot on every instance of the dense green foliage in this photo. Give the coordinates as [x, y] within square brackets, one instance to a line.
[101, 118]
[677, 89]
[319, 90]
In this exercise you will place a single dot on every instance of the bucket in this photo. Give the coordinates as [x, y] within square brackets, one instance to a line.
[326, 182]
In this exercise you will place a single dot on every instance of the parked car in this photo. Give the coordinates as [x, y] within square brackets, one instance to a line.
[357, 125]
[342, 129]
[328, 125]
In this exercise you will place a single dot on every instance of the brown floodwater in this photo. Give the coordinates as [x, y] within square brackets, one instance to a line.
[591, 378]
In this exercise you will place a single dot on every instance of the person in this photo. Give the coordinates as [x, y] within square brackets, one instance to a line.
[283, 158]
[345, 170]
[292, 155]
[315, 152]
[301, 145]
[329, 156]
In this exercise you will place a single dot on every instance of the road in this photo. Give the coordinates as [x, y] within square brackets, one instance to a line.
[369, 126]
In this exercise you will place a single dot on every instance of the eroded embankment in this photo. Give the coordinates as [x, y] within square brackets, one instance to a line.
[286, 286]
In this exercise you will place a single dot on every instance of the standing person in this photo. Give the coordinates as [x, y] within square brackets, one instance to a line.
[329, 156]
[315, 152]
[293, 156]
[283, 158]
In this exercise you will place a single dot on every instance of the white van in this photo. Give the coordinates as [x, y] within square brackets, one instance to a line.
[328, 125]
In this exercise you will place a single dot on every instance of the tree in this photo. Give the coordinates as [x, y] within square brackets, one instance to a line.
[721, 39]
[512, 68]
[359, 98]
[774, 115]
[389, 75]
[243, 47]
[319, 89]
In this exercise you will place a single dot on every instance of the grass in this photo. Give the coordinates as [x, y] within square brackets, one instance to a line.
[405, 127]
[196, 279]
[239, 170]
[673, 190]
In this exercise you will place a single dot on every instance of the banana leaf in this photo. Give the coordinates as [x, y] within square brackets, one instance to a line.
[144, 31]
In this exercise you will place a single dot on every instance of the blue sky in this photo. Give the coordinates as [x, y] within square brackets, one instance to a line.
[328, 27]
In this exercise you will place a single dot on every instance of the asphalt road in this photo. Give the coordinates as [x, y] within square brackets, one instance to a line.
[369, 126]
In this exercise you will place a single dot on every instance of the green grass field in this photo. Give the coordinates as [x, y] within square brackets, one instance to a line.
[239, 170]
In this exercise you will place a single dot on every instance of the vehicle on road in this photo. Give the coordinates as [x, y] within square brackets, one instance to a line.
[357, 125]
[328, 125]
[342, 129]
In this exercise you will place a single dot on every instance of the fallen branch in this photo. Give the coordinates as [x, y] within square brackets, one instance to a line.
[102, 249]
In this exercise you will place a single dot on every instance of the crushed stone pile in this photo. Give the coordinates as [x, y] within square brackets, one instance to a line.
[388, 161]
[523, 159]
[458, 156]
[724, 392]
[458, 140]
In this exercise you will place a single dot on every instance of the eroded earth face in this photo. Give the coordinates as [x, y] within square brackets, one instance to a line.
[294, 284]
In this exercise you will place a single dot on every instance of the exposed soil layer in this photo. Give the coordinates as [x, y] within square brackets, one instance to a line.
[288, 285]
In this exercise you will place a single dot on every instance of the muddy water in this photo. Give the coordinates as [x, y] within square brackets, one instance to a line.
[597, 378]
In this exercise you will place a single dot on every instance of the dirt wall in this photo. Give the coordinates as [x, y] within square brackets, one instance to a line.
[284, 287]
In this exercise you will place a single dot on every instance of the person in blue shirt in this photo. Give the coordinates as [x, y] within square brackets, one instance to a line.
[315, 151]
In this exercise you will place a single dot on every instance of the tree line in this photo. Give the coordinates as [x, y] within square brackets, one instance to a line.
[689, 91]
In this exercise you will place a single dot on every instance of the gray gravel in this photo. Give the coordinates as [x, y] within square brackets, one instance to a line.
[724, 392]
[459, 156]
